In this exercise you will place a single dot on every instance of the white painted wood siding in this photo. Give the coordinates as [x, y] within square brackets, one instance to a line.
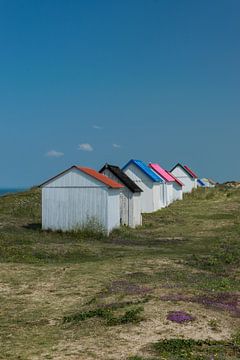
[187, 180]
[130, 205]
[75, 199]
[135, 210]
[125, 196]
[169, 193]
[74, 178]
[113, 209]
[71, 208]
[152, 195]
[177, 192]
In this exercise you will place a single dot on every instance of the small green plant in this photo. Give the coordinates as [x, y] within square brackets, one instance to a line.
[92, 228]
[175, 346]
[130, 316]
[84, 315]
[236, 338]
[213, 324]
[176, 349]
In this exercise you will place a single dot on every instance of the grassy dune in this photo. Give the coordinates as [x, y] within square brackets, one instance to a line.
[85, 296]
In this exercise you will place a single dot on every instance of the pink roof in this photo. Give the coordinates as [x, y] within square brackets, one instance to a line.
[163, 173]
[190, 171]
[176, 179]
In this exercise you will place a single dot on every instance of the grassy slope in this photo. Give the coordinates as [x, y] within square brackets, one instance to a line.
[185, 257]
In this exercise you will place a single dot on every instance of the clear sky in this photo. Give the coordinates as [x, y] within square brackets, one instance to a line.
[93, 81]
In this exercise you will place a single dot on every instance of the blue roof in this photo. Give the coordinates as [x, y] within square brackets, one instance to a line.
[142, 166]
[200, 182]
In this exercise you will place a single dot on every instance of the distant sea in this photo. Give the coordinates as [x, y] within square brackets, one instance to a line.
[4, 191]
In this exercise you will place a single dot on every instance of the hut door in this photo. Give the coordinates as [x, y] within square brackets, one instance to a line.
[123, 209]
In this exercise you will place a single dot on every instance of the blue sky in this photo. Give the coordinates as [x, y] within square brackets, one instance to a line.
[88, 82]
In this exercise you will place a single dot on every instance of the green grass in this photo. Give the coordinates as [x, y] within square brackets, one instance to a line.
[60, 292]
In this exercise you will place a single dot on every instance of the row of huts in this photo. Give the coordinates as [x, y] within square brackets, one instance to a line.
[80, 197]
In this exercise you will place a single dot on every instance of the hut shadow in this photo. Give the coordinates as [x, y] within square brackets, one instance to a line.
[33, 226]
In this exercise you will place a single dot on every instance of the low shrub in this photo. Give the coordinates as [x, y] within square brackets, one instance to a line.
[130, 316]
[92, 228]
[196, 349]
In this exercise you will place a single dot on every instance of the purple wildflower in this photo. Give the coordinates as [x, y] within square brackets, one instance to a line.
[179, 317]
[127, 287]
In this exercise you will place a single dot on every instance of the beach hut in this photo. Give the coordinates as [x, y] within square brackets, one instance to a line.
[209, 182]
[152, 185]
[184, 174]
[173, 185]
[201, 183]
[130, 196]
[80, 197]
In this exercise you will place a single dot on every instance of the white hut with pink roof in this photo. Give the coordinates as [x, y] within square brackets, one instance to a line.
[174, 186]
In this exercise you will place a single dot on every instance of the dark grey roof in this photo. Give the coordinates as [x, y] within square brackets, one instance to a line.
[129, 183]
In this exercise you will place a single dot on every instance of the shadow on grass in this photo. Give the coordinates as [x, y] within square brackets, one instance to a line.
[33, 226]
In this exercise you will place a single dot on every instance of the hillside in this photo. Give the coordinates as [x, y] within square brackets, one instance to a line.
[84, 296]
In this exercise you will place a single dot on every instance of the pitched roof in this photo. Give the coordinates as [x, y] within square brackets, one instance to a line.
[176, 179]
[186, 169]
[163, 173]
[210, 181]
[190, 171]
[93, 173]
[200, 182]
[129, 183]
[145, 169]
[104, 179]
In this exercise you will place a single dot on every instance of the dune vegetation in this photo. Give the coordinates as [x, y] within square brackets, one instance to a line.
[167, 290]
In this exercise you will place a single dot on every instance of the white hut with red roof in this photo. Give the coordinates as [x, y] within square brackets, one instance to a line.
[80, 197]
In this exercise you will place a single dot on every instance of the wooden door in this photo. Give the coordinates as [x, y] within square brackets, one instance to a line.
[124, 208]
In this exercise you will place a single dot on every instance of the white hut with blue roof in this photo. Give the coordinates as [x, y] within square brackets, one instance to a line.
[152, 197]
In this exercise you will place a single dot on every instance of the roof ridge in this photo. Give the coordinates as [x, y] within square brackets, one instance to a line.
[189, 172]
[144, 168]
[91, 172]
[124, 178]
[100, 177]
[162, 172]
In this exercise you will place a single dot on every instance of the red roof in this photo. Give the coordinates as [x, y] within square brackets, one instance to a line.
[93, 173]
[100, 177]
[176, 179]
[190, 172]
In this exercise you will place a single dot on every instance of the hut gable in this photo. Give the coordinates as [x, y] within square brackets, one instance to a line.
[122, 177]
[185, 169]
[184, 174]
[190, 172]
[173, 187]
[80, 196]
[163, 173]
[201, 183]
[145, 169]
[152, 197]
[89, 177]
[176, 179]
[130, 196]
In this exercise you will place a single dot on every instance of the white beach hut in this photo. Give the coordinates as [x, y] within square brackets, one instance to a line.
[173, 186]
[152, 185]
[208, 182]
[130, 196]
[184, 174]
[80, 196]
[177, 188]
